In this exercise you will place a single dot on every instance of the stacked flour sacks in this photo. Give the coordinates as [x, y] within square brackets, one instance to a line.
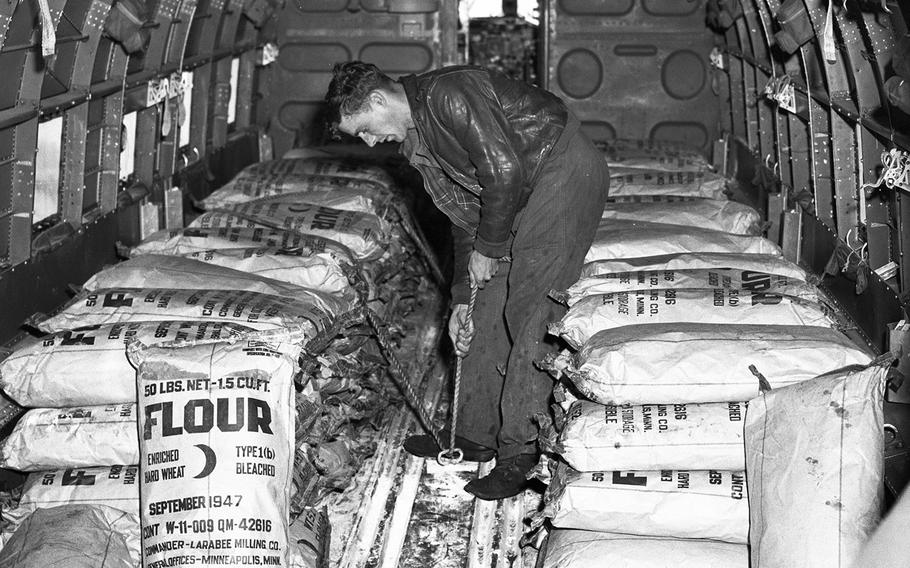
[681, 314]
[224, 369]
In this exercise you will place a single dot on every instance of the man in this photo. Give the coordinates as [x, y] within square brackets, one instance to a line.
[507, 163]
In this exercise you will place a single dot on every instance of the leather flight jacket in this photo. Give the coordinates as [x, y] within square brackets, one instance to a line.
[490, 135]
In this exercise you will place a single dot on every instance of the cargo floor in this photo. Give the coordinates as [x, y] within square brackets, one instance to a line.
[412, 512]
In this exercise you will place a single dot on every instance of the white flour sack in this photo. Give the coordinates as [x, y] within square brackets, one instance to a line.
[302, 317]
[568, 548]
[59, 438]
[766, 263]
[599, 437]
[319, 271]
[182, 273]
[715, 214]
[694, 362]
[349, 194]
[630, 239]
[655, 182]
[608, 283]
[88, 365]
[364, 234]
[216, 428]
[115, 486]
[681, 504]
[692, 305]
[322, 166]
[815, 469]
[188, 241]
[73, 536]
[652, 155]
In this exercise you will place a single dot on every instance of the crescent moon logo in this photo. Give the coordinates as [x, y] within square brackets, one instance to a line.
[210, 461]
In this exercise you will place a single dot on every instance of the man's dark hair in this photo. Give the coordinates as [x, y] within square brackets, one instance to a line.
[351, 83]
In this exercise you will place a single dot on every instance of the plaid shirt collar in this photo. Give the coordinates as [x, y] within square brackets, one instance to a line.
[460, 205]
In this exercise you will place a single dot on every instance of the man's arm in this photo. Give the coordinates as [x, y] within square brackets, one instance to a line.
[478, 123]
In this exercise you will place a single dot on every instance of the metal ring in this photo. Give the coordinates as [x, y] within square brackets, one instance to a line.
[450, 457]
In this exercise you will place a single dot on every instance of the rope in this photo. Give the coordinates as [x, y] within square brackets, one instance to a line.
[399, 374]
[454, 455]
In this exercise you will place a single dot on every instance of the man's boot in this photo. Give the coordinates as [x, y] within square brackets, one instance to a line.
[507, 479]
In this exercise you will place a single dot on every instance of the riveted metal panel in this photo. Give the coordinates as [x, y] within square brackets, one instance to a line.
[767, 123]
[109, 177]
[871, 310]
[200, 108]
[750, 81]
[22, 187]
[228, 31]
[313, 36]
[773, 154]
[842, 139]
[92, 27]
[204, 30]
[821, 164]
[639, 67]
[70, 37]
[737, 89]
[72, 174]
[179, 32]
[245, 82]
[146, 144]
[6, 17]
[882, 230]
[222, 92]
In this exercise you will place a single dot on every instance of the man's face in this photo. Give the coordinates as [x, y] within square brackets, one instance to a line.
[378, 123]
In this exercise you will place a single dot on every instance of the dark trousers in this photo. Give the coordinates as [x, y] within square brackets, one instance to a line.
[501, 388]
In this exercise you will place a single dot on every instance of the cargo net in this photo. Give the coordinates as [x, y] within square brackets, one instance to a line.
[684, 320]
[249, 351]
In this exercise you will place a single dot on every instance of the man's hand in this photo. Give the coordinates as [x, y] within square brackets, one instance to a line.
[482, 268]
[461, 329]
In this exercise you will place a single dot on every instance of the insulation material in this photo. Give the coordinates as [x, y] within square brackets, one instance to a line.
[319, 272]
[680, 504]
[766, 263]
[715, 214]
[299, 317]
[693, 305]
[587, 549]
[822, 440]
[696, 362]
[115, 486]
[652, 155]
[608, 283]
[703, 184]
[180, 273]
[682, 436]
[364, 234]
[630, 239]
[59, 438]
[349, 194]
[88, 366]
[188, 241]
[217, 432]
[73, 536]
[321, 166]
